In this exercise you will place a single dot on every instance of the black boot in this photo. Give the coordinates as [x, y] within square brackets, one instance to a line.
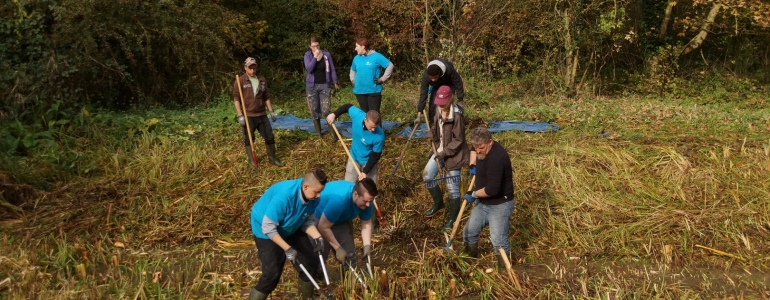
[500, 264]
[438, 200]
[472, 250]
[317, 125]
[305, 290]
[454, 209]
[250, 156]
[271, 156]
[257, 295]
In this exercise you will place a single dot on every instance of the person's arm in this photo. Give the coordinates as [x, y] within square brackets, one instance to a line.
[325, 227]
[353, 72]
[270, 229]
[458, 137]
[388, 71]
[494, 172]
[237, 98]
[457, 82]
[366, 232]
[374, 157]
[309, 61]
[423, 93]
[332, 69]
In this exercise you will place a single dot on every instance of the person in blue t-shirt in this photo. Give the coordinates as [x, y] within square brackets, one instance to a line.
[284, 226]
[367, 144]
[367, 75]
[341, 202]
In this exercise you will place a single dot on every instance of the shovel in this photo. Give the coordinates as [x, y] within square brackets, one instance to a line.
[459, 216]
[248, 127]
[355, 165]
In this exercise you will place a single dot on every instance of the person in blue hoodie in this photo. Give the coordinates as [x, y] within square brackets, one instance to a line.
[284, 226]
[341, 202]
[367, 75]
[318, 81]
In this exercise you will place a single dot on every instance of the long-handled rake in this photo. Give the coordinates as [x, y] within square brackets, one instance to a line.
[459, 217]
[355, 165]
[248, 127]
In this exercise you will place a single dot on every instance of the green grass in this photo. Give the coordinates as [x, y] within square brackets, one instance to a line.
[144, 199]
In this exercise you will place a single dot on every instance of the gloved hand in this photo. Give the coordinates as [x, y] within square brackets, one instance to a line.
[291, 255]
[318, 244]
[241, 120]
[379, 81]
[367, 250]
[341, 255]
[472, 170]
[441, 163]
[273, 116]
[336, 87]
[416, 120]
[469, 197]
[441, 155]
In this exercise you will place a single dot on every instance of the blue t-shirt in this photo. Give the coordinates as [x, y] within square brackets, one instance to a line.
[368, 68]
[283, 204]
[364, 141]
[337, 203]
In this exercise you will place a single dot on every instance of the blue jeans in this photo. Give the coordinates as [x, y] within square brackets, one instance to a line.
[498, 217]
[318, 100]
[430, 172]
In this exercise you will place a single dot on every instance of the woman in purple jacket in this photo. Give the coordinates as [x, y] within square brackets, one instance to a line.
[320, 75]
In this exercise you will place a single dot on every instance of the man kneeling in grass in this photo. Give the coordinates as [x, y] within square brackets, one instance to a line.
[276, 218]
[494, 190]
[341, 202]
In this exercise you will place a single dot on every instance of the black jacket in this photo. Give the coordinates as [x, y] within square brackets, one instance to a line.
[450, 77]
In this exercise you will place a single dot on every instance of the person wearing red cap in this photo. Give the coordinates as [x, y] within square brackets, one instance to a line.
[448, 136]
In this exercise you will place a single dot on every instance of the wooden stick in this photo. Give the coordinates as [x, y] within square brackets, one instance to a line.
[511, 274]
[384, 280]
[721, 252]
[460, 214]
[403, 150]
[245, 116]
[452, 289]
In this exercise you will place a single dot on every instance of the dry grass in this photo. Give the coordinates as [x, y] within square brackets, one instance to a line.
[164, 214]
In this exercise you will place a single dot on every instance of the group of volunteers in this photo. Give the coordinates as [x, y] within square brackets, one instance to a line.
[300, 219]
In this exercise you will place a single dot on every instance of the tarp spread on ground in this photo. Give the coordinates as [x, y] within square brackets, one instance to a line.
[493, 127]
[290, 122]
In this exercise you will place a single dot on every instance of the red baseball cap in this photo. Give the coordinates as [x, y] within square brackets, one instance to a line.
[443, 95]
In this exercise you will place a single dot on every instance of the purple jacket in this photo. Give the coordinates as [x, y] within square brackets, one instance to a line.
[331, 73]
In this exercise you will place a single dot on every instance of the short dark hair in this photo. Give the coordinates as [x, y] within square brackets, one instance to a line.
[434, 70]
[373, 116]
[366, 185]
[363, 42]
[315, 176]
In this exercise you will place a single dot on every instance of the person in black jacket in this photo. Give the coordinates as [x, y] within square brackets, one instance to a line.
[494, 190]
[439, 72]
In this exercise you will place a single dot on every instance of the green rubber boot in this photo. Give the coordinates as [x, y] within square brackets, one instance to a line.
[472, 250]
[305, 290]
[454, 209]
[317, 125]
[257, 295]
[438, 200]
[271, 156]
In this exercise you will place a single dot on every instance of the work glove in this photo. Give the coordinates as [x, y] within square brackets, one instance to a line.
[318, 244]
[416, 120]
[241, 120]
[367, 250]
[441, 163]
[337, 87]
[379, 81]
[273, 116]
[469, 197]
[341, 255]
[472, 170]
[291, 255]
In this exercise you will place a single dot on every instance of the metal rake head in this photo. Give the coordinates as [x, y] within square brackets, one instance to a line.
[447, 180]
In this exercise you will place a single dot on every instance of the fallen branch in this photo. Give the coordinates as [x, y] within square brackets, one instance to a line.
[721, 252]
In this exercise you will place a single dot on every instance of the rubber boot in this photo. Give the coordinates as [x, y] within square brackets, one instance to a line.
[257, 295]
[472, 250]
[500, 264]
[271, 156]
[334, 135]
[438, 200]
[305, 290]
[454, 209]
[317, 125]
[249, 156]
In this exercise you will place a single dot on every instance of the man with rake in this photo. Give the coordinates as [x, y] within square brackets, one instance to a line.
[284, 226]
[494, 190]
[451, 153]
[367, 144]
[341, 202]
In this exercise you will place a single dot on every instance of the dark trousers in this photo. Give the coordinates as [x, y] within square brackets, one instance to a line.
[431, 106]
[261, 124]
[344, 235]
[369, 102]
[273, 258]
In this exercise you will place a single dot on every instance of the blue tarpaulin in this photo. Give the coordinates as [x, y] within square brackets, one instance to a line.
[290, 122]
[493, 127]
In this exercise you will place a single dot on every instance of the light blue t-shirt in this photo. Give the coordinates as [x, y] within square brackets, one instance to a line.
[368, 68]
[337, 203]
[364, 141]
[283, 204]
